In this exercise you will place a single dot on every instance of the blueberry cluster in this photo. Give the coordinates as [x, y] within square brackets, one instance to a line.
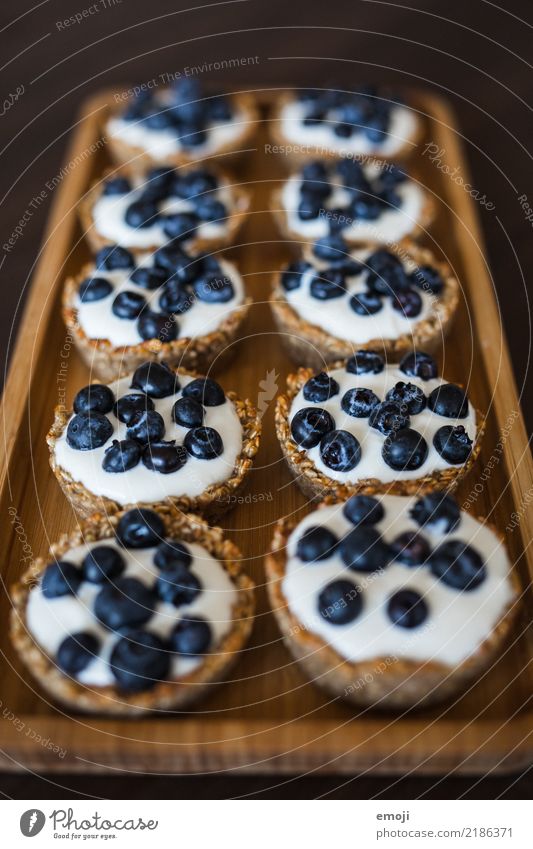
[181, 279]
[124, 605]
[199, 188]
[384, 275]
[366, 112]
[91, 428]
[369, 194]
[404, 449]
[364, 550]
[185, 112]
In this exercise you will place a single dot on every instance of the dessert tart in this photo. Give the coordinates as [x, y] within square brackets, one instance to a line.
[156, 437]
[199, 207]
[178, 125]
[392, 602]
[123, 309]
[367, 122]
[364, 426]
[366, 203]
[334, 301]
[136, 612]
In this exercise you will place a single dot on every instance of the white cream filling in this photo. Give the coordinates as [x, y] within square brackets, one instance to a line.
[457, 622]
[145, 485]
[109, 221]
[402, 129]
[51, 620]
[372, 464]
[161, 144]
[336, 316]
[98, 321]
[391, 226]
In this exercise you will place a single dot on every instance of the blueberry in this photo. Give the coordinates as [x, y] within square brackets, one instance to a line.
[376, 128]
[219, 108]
[366, 208]
[176, 297]
[310, 425]
[85, 432]
[386, 274]
[449, 400]
[291, 277]
[359, 402]
[363, 510]
[177, 585]
[146, 426]
[102, 563]
[141, 214]
[128, 304]
[155, 379]
[125, 603]
[148, 278]
[157, 325]
[428, 279]
[191, 637]
[352, 174]
[180, 225]
[215, 289]
[139, 661]
[128, 405]
[366, 303]
[113, 258]
[419, 364]
[315, 170]
[314, 117]
[171, 257]
[365, 362]
[204, 443]
[159, 119]
[320, 387]
[410, 548]
[309, 208]
[95, 398]
[116, 186]
[206, 391]
[453, 444]
[164, 457]
[317, 190]
[338, 218]
[172, 554]
[188, 413]
[121, 455]
[340, 602]
[140, 528]
[194, 183]
[436, 509]
[331, 249]
[340, 450]
[94, 289]
[328, 284]
[408, 396]
[210, 209]
[364, 549]
[76, 652]
[160, 179]
[405, 450]
[409, 303]
[407, 609]
[457, 565]
[316, 543]
[60, 578]
[389, 417]
[192, 135]
[343, 131]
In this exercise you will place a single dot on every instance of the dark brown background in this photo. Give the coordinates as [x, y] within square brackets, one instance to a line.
[470, 51]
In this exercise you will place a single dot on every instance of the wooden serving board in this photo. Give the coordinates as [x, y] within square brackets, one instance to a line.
[268, 719]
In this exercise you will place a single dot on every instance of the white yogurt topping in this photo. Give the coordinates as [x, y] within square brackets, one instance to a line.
[50, 620]
[392, 225]
[457, 622]
[109, 218]
[336, 316]
[161, 144]
[402, 130]
[98, 321]
[372, 464]
[142, 484]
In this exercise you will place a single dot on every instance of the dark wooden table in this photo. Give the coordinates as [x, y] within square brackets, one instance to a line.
[474, 53]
